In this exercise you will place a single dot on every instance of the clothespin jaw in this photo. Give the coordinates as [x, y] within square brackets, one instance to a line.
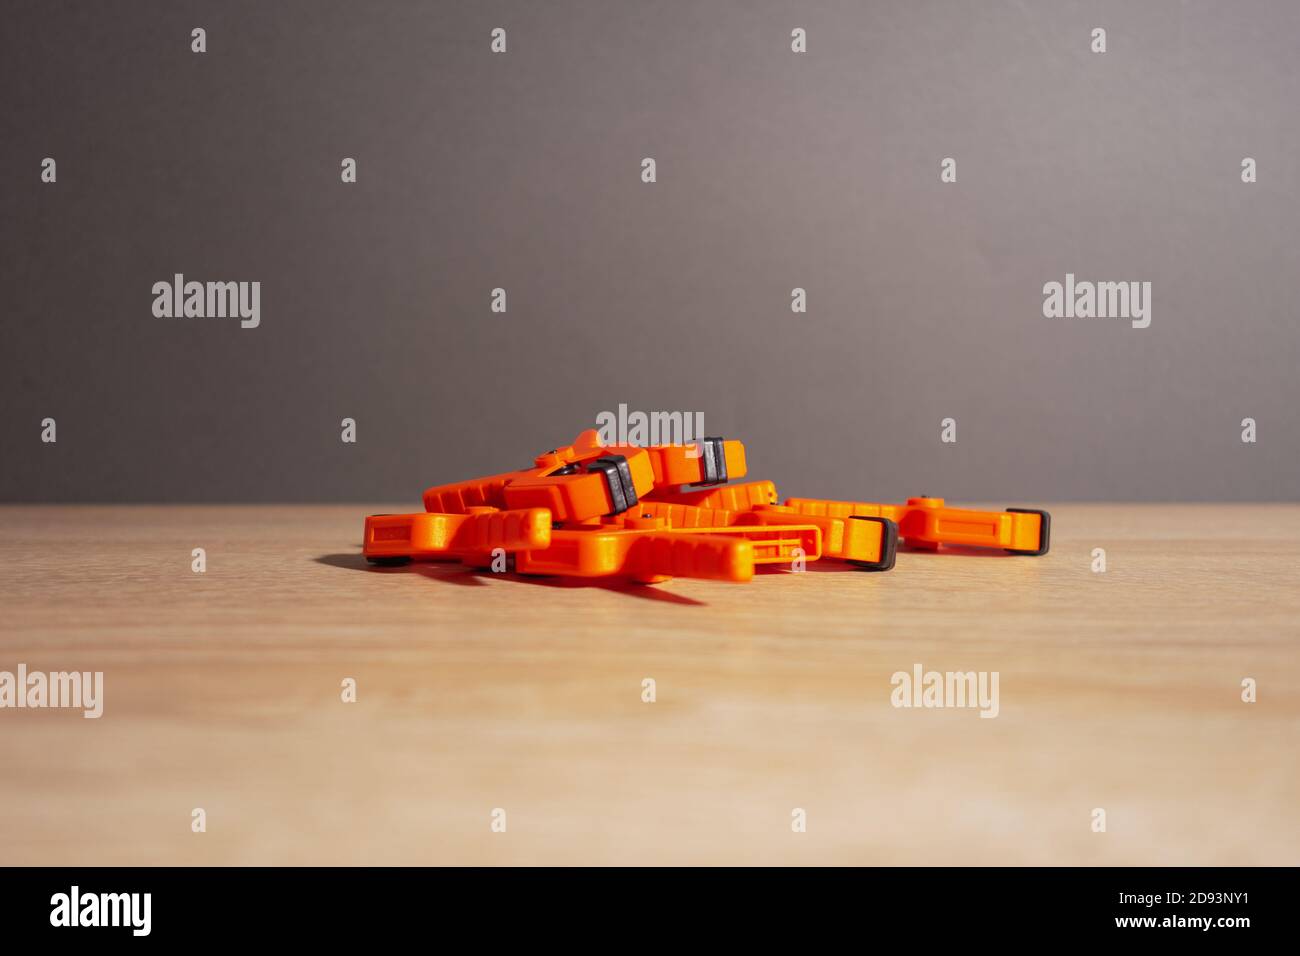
[1023, 532]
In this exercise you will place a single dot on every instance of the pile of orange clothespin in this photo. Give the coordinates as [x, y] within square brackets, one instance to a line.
[652, 513]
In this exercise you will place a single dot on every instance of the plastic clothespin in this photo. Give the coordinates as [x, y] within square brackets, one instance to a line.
[576, 482]
[929, 523]
[648, 550]
[868, 542]
[396, 539]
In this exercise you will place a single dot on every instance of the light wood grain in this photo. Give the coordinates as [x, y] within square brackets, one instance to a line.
[1118, 690]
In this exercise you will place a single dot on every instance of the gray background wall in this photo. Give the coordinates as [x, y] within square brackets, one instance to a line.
[775, 170]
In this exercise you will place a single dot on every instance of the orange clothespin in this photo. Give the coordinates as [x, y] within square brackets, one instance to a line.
[929, 523]
[396, 539]
[576, 482]
[646, 555]
[710, 461]
[648, 550]
[739, 496]
[867, 542]
[456, 497]
[608, 484]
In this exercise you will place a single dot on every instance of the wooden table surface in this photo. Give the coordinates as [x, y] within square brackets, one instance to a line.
[1119, 690]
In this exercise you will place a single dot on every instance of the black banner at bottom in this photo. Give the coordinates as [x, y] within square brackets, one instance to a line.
[95, 906]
